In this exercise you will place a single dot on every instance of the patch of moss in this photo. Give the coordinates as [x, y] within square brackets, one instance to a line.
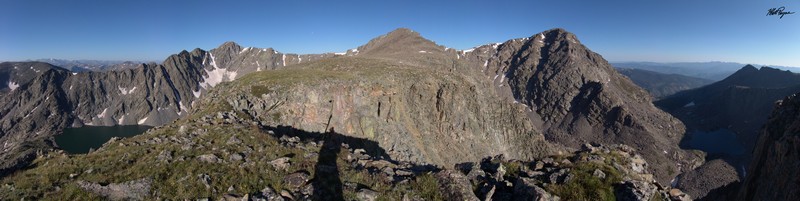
[512, 168]
[585, 186]
[427, 186]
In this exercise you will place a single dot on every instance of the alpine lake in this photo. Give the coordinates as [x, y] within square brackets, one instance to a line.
[81, 140]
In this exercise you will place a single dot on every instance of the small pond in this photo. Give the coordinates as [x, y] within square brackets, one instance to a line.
[80, 140]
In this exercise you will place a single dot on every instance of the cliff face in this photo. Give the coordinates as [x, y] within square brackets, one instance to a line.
[417, 114]
[773, 173]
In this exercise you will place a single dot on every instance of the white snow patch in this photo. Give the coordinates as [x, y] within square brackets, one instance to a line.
[355, 51]
[468, 50]
[495, 77]
[495, 45]
[125, 91]
[284, 60]
[244, 50]
[542, 36]
[12, 85]
[422, 51]
[485, 64]
[258, 65]
[196, 93]
[141, 121]
[102, 114]
[183, 108]
[121, 119]
[213, 61]
[301, 58]
[689, 105]
[339, 53]
[216, 76]
[74, 73]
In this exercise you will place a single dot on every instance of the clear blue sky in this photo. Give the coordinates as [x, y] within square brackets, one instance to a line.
[635, 30]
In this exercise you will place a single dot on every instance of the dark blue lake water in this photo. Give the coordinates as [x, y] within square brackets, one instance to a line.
[80, 140]
[721, 141]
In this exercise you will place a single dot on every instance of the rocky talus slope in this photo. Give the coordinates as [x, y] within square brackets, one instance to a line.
[773, 173]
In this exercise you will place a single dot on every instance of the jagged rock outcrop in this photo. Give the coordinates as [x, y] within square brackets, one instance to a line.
[773, 173]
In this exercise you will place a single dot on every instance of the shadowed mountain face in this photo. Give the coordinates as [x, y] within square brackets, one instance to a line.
[661, 85]
[773, 172]
[576, 97]
[740, 103]
[420, 101]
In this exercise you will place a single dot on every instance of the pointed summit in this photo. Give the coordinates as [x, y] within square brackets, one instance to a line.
[398, 42]
[229, 46]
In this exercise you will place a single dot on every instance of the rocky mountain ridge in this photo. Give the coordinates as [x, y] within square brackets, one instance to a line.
[49, 98]
[420, 101]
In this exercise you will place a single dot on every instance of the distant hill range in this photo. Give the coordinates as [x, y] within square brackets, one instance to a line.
[93, 65]
[661, 84]
[714, 70]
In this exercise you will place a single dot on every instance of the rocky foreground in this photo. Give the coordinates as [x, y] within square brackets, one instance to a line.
[229, 156]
